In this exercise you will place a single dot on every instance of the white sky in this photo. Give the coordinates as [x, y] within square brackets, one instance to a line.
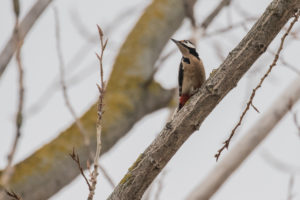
[255, 179]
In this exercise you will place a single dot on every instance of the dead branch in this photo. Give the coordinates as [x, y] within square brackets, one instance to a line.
[77, 59]
[101, 88]
[107, 176]
[230, 27]
[188, 119]
[72, 111]
[75, 157]
[243, 148]
[286, 63]
[8, 171]
[208, 20]
[279, 164]
[250, 102]
[62, 79]
[25, 26]
[13, 195]
[159, 185]
[296, 122]
[290, 194]
[51, 170]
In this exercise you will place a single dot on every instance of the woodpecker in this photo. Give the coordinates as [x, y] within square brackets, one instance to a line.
[191, 73]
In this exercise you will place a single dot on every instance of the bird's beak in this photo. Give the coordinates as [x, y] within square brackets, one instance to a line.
[175, 41]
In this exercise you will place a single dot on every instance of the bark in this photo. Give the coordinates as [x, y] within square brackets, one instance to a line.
[130, 95]
[188, 119]
[25, 26]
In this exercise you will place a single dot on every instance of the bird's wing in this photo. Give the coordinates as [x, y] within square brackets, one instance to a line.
[180, 78]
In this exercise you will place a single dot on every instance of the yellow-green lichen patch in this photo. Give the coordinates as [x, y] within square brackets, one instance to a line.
[125, 178]
[141, 156]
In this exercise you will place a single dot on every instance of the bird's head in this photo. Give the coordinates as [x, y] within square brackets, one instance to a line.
[186, 47]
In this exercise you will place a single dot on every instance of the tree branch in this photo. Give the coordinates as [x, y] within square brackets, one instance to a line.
[127, 98]
[207, 21]
[250, 101]
[25, 25]
[189, 118]
[247, 143]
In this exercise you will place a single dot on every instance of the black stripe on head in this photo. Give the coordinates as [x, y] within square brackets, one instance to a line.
[192, 51]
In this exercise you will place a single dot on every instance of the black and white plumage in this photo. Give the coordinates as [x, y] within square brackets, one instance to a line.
[191, 73]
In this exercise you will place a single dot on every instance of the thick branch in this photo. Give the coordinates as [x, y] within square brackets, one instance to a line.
[25, 25]
[189, 118]
[129, 97]
[248, 143]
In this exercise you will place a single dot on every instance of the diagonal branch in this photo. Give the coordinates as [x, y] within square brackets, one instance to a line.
[25, 26]
[8, 171]
[127, 99]
[250, 101]
[208, 20]
[243, 148]
[189, 118]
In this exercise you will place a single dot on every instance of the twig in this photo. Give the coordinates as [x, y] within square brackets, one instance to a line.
[230, 27]
[101, 88]
[25, 25]
[286, 64]
[75, 157]
[76, 60]
[296, 122]
[107, 176]
[219, 51]
[214, 13]
[8, 171]
[91, 38]
[13, 195]
[71, 109]
[290, 195]
[248, 143]
[279, 164]
[250, 102]
[62, 79]
[159, 65]
[188, 120]
[159, 185]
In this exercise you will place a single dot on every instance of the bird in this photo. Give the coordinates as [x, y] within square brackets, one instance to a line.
[191, 73]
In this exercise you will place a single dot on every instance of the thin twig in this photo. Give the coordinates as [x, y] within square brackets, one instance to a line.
[250, 102]
[101, 88]
[214, 13]
[76, 60]
[230, 27]
[107, 176]
[290, 195]
[75, 157]
[24, 27]
[296, 122]
[13, 195]
[278, 164]
[62, 80]
[8, 171]
[286, 64]
[160, 185]
[71, 109]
